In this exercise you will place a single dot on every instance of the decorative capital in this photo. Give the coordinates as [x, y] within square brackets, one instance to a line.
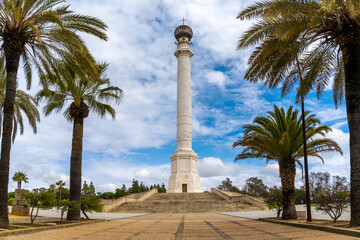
[184, 52]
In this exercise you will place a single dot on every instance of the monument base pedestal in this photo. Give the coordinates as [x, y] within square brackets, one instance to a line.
[20, 210]
[21, 205]
[184, 172]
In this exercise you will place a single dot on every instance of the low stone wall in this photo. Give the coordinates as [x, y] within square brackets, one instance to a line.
[234, 197]
[138, 197]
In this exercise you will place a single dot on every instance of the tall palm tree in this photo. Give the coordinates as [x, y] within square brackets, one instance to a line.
[36, 32]
[23, 103]
[278, 137]
[60, 184]
[326, 35]
[84, 94]
[20, 177]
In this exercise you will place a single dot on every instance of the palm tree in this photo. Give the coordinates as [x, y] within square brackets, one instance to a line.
[37, 31]
[20, 177]
[23, 103]
[278, 137]
[85, 94]
[60, 184]
[325, 35]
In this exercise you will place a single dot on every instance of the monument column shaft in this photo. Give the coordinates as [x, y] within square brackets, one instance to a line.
[184, 161]
[184, 115]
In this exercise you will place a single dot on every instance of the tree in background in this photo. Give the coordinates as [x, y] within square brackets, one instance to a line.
[60, 184]
[90, 202]
[162, 189]
[36, 32]
[121, 192]
[300, 196]
[255, 187]
[20, 177]
[143, 188]
[226, 185]
[107, 195]
[135, 187]
[319, 182]
[333, 197]
[278, 137]
[83, 93]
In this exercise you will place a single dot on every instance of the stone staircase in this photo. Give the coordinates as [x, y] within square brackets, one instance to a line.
[185, 202]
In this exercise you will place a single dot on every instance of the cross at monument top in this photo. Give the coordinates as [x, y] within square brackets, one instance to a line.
[183, 20]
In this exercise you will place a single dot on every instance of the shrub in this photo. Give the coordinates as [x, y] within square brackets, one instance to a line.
[39, 198]
[333, 203]
[10, 200]
[274, 199]
[90, 202]
[11, 195]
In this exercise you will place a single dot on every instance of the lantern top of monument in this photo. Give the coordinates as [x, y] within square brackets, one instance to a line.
[183, 32]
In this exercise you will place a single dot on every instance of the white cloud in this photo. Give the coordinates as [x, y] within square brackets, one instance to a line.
[216, 77]
[213, 167]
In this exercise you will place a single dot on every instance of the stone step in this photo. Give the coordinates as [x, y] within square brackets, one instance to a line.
[184, 202]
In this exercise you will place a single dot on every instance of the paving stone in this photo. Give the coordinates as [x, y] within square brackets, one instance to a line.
[207, 226]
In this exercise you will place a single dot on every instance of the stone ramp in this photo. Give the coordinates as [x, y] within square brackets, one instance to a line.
[185, 202]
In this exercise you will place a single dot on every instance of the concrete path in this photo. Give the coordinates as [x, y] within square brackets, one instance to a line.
[209, 226]
[272, 213]
[95, 215]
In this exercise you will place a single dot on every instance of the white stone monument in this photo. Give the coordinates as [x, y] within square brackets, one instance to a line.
[184, 161]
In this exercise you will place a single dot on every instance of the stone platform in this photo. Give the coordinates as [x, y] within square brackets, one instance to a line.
[186, 203]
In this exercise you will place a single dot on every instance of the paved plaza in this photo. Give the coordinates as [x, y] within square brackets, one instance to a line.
[209, 226]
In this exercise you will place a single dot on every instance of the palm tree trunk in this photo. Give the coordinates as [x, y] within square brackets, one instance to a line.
[351, 58]
[287, 175]
[75, 167]
[12, 65]
[307, 184]
[19, 185]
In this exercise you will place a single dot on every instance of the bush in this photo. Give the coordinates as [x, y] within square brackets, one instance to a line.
[274, 199]
[39, 198]
[333, 197]
[333, 203]
[11, 195]
[64, 204]
[10, 200]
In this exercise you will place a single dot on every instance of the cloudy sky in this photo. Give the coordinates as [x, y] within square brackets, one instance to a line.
[139, 142]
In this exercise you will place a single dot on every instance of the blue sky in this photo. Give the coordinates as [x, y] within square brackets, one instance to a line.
[139, 142]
